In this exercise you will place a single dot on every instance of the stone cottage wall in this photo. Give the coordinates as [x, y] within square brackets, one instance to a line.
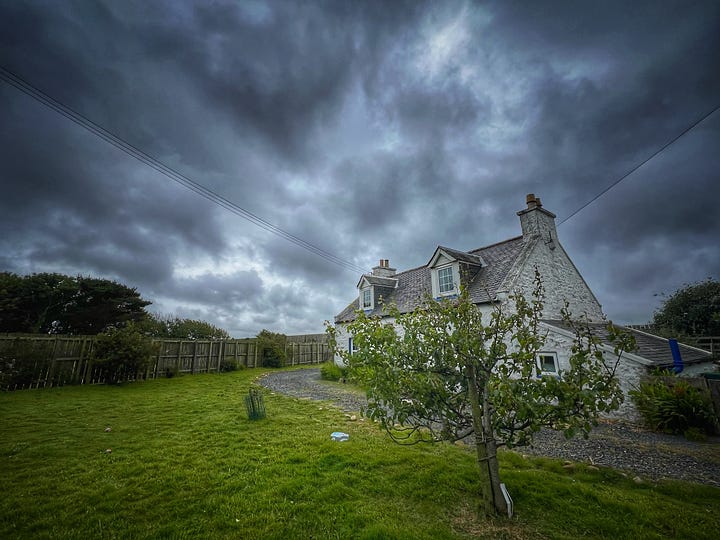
[561, 281]
[628, 372]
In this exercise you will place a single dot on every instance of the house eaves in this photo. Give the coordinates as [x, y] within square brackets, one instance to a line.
[454, 254]
[652, 350]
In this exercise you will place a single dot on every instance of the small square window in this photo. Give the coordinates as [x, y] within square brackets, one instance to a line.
[445, 280]
[547, 364]
[366, 299]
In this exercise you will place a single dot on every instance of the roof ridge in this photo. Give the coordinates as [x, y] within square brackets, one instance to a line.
[459, 250]
[513, 239]
[412, 269]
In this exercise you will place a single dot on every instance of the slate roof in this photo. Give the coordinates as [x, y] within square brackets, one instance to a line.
[379, 280]
[655, 349]
[414, 285]
[463, 256]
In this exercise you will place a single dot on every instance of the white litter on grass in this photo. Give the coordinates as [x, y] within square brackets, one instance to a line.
[339, 436]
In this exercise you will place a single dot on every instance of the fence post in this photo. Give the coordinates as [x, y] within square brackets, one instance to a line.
[194, 357]
[51, 368]
[160, 347]
[179, 353]
[85, 353]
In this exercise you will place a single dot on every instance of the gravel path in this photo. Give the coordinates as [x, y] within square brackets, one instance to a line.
[617, 445]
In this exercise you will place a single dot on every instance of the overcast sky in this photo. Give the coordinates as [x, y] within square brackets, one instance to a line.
[370, 129]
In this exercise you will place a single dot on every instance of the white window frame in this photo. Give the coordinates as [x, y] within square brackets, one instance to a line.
[367, 290]
[442, 272]
[351, 345]
[539, 364]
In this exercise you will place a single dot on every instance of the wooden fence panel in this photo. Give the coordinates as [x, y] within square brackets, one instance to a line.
[30, 361]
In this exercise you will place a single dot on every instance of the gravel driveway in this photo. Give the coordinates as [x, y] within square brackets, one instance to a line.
[621, 446]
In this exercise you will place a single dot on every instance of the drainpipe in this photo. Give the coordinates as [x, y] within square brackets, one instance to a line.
[677, 359]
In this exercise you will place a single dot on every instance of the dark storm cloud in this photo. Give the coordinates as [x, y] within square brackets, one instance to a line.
[614, 85]
[239, 289]
[81, 212]
[372, 130]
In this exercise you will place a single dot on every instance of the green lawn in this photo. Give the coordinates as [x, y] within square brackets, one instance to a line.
[186, 463]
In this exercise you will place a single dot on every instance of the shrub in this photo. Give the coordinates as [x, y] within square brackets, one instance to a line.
[230, 365]
[22, 362]
[271, 348]
[123, 353]
[330, 371]
[675, 407]
[172, 371]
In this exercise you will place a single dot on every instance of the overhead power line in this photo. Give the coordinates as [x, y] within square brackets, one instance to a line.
[96, 129]
[624, 176]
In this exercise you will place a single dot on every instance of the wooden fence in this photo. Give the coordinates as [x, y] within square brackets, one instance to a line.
[47, 361]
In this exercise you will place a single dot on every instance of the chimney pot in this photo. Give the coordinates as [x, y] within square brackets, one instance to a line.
[383, 269]
[540, 223]
[532, 202]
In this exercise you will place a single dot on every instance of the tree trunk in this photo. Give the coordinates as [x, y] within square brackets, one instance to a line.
[492, 460]
[486, 448]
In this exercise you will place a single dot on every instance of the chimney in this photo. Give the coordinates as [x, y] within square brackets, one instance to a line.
[383, 269]
[536, 221]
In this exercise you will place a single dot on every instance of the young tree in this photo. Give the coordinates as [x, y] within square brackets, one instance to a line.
[442, 372]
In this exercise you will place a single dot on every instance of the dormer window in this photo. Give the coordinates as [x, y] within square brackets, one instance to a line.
[446, 283]
[366, 298]
[446, 280]
[374, 288]
[447, 266]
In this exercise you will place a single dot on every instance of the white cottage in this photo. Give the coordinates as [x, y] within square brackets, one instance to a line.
[491, 272]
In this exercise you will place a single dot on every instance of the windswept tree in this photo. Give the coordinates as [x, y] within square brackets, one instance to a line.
[446, 371]
[692, 310]
[49, 303]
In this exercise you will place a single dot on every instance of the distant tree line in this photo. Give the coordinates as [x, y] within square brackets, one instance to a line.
[167, 326]
[693, 310]
[51, 303]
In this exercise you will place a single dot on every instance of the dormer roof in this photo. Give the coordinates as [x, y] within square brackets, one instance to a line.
[455, 255]
[379, 281]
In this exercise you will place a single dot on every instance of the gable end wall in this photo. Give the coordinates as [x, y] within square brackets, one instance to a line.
[561, 281]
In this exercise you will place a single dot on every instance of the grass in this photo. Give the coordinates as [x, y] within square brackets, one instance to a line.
[186, 463]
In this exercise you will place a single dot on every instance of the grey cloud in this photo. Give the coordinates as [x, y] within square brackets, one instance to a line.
[237, 290]
[329, 120]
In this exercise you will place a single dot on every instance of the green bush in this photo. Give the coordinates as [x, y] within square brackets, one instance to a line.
[22, 362]
[123, 353]
[271, 348]
[172, 371]
[675, 407]
[330, 371]
[230, 365]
